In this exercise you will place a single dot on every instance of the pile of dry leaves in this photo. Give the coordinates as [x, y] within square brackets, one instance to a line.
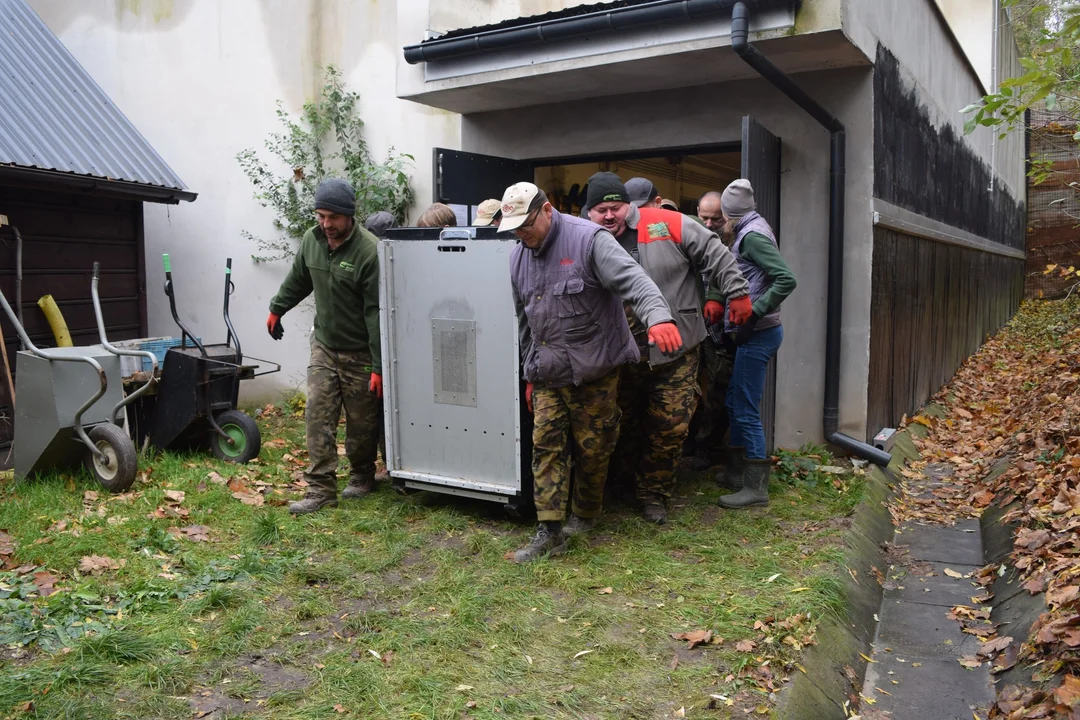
[1017, 401]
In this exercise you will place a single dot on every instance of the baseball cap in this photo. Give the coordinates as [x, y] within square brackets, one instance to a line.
[515, 205]
[485, 212]
[669, 204]
[640, 190]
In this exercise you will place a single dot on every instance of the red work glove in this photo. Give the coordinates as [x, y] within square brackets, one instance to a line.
[528, 395]
[274, 326]
[740, 309]
[374, 385]
[665, 336]
[714, 311]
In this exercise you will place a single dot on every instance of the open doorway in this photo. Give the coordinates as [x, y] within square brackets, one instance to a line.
[683, 174]
[680, 177]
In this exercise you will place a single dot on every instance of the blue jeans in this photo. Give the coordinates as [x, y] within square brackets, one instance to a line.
[747, 385]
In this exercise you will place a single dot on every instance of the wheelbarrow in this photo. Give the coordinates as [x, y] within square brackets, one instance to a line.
[196, 400]
[54, 427]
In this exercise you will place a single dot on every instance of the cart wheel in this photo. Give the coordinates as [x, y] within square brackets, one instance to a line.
[243, 432]
[117, 472]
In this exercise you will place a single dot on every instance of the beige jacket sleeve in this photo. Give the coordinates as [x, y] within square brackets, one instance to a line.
[709, 255]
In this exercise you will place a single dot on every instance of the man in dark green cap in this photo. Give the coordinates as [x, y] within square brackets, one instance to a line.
[337, 261]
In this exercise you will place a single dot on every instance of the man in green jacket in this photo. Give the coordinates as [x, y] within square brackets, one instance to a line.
[337, 261]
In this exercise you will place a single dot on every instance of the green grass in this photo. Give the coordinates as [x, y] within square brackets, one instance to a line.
[402, 607]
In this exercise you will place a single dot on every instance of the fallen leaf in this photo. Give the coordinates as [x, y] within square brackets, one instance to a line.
[1069, 691]
[464, 688]
[174, 496]
[604, 591]
[583, 652]
[45, 583]
[970, 661]
[98, 564]
[992, 647]
[249, 498]
[745, 646]
[216, 478]
[952, 573]
[340, 709]
[197, 533]
[694, 638]
[387, 657]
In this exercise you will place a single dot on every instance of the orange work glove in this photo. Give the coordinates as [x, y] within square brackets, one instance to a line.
[714, 312]
[274, 326]
[374, 385]
[740, 309]
[666, 337]
[528, 395]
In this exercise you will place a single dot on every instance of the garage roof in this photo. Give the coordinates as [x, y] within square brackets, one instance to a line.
[54, 118]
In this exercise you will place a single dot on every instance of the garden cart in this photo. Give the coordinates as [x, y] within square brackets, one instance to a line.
[66, 399]
[197, 393]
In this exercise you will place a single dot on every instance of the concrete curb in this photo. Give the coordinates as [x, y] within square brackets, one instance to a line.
[1013, 606]
[821, 691]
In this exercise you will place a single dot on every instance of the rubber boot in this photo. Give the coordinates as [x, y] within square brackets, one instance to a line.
[755, 487]
[731, 477]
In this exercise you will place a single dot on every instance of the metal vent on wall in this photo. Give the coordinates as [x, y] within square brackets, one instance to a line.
[454, 346]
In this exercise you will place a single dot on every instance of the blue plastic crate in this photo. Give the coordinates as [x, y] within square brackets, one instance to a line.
[159, 347]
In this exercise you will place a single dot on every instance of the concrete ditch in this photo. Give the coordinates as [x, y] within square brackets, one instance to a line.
[836, 669]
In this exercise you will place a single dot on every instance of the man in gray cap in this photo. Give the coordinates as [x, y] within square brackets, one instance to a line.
[379, 222]
[337, 261]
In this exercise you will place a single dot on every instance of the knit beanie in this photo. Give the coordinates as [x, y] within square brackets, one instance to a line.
[605, 187]
[336, 195]
[738, 199]
[378, 223]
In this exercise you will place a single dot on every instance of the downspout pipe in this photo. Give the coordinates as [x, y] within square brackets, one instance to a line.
[740, 33]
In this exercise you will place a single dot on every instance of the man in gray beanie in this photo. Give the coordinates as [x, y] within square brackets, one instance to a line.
[771, 281]
[337, 262]
[737, 200]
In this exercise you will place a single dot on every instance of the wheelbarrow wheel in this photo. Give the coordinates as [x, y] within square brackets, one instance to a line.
[244, 434]
[116, 472]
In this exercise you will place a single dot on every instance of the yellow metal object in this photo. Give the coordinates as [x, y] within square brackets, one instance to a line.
[56, 320]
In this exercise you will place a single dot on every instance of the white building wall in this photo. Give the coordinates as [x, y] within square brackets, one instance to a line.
[200, 78]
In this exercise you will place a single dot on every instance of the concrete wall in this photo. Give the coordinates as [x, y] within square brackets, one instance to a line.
[972, 22]
[445, 15]
[713, 115]
[200, 79]
[936, 64]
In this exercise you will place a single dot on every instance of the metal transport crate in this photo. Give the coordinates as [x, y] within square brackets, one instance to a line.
[454, 418]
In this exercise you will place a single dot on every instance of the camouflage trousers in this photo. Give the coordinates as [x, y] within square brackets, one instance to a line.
[656, 404]
[710, 421]
[336, 380]
[578, 422]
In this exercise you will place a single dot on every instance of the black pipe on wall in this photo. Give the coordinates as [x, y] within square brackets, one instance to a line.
[834, 306]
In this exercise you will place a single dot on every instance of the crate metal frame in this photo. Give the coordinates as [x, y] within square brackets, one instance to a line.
[451, 287]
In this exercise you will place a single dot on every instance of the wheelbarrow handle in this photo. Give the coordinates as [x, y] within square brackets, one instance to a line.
[120, 351]
[53, 356]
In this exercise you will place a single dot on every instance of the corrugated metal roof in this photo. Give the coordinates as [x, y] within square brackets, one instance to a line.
[53, 116]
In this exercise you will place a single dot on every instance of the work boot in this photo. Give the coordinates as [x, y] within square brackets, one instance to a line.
[755, 489]
[731, 477]
[577, 525]
[654, 511]
[357, 488]
[312, 503]
[701, 461]
[546, 542]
